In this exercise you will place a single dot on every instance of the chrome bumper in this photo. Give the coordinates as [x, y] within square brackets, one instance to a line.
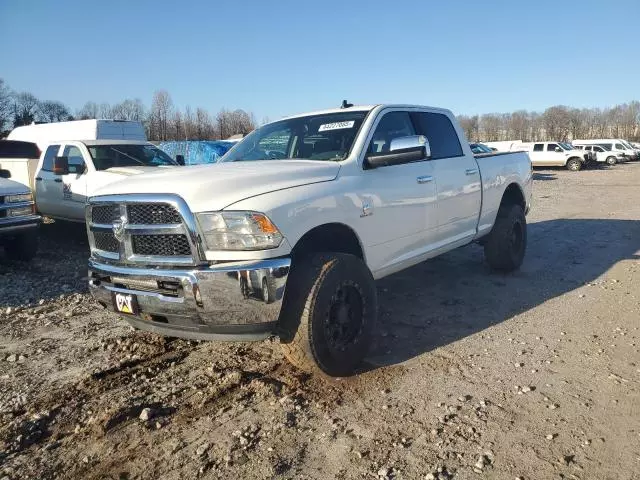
[229, 301]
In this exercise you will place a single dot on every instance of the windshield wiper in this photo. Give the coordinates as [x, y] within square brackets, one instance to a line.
[130, 156]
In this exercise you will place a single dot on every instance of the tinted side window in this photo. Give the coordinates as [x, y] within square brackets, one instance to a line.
[18, 149]
[551, 147]
[538, 147]
[619, 146]
[50, 154]
[392, 125]
[588, 147]
[439, 130]
[606, 146]
[598, 149]
[74, 154]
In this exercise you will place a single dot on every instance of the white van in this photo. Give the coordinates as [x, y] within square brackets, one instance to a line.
[610, 157]
[611, 144]
[43, 134]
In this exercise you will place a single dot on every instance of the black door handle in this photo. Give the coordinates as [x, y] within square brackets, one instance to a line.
[58, 180]
[38, 179]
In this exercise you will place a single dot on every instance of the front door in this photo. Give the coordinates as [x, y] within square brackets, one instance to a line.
[554, 157]
[74, 184]
[399, 218]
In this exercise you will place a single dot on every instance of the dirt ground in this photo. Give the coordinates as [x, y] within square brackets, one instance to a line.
[533, 375]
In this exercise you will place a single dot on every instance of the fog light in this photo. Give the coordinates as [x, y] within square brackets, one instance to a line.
[21, 211]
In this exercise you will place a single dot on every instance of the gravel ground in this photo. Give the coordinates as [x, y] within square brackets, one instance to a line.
[533, 375]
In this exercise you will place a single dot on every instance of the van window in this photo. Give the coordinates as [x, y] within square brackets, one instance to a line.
[551, 147]
[598, 149]
[619, 146]
[49, 156]
[606, 146]
[442, 137]
[588, 147]
[538, 147]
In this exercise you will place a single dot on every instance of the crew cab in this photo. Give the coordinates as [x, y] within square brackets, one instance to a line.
[18, 221]
[556, 154]
[75, 158]
[287, 234]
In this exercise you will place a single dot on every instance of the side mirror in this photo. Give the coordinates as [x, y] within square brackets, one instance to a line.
[402, 150]
[5, 173]
[180, 159]
[61, 165]
[558, 149]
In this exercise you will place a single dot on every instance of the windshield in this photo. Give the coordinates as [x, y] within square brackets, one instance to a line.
[566, 146]
[626, 144]
[128, 155]
[314, 137]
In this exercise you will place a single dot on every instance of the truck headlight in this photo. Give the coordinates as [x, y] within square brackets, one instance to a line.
[23, 197]
[238, 231]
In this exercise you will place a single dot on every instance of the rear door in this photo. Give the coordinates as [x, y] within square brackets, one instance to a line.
[47, 185]
[537, 155]
[457, 177]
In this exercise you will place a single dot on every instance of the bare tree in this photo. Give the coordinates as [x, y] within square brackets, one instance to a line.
[25, 109]
[5, 106]
[53, 111]
[161, 109]
[88, 111]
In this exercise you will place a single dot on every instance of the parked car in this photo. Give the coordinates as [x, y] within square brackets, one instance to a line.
[18, 221]
[602, 155]
[68, 171]
[612, 144]
[196, 152]
[480, 148]
[349, 195]
[556, 154]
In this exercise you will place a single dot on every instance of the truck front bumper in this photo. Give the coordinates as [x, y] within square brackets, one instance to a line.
[11, 226]
[228, 301]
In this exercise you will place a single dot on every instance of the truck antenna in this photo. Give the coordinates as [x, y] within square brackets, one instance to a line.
[346, 104]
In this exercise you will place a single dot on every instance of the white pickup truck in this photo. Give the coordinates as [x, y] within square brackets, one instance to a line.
[288, 233]
[79, 157]
[18, 221]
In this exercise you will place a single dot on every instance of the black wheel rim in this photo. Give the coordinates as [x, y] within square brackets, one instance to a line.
[516, 239]
[345, 318]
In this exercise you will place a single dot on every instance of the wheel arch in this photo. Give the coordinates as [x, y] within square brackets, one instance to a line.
[329, 237]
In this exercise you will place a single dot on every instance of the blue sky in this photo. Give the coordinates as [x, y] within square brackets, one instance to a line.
[282, 57]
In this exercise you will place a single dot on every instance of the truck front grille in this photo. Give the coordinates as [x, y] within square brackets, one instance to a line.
[166, 245]
[105, 214]
[131, 229]
[106, 241]
[152, 214]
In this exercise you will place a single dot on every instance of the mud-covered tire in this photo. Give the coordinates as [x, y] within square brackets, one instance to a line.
[611, 160]
[22, 247]
[505, 246]
[574, 164]
[329, 314]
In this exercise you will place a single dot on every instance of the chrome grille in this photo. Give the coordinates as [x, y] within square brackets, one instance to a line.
[106, 241]
[166, 245]
[105, 214]
[152, 214]
[145, 229]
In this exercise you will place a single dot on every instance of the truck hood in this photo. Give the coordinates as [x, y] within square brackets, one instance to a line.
[216, 186]
[134, 170]
[9, 187]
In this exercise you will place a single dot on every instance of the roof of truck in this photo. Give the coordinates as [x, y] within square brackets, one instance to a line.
[363, 108]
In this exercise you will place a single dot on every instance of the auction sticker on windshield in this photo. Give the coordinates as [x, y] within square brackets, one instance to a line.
[336, 126]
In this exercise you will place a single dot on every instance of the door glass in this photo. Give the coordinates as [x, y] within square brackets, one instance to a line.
[442, 137]
[552, 147]
[50, 154]
[76, 161]
[538, 147]
[393, 125]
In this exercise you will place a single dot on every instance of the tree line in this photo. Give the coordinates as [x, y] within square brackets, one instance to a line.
[559, 123]
[162, 121]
